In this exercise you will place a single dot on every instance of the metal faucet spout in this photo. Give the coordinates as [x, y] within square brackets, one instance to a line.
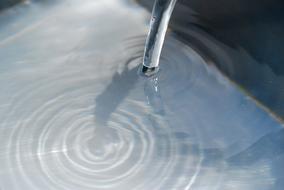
[161, 15]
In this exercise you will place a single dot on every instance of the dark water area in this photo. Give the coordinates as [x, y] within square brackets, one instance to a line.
[244, 39]
[8, 3]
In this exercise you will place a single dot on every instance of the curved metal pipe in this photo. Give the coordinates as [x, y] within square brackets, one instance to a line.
[158, 27]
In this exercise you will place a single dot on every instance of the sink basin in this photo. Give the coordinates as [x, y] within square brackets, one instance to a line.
[75, 113]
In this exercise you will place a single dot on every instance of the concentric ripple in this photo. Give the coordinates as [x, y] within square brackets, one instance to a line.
[75, 114]
[86, 131]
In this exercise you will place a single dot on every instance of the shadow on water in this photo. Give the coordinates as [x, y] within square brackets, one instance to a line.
[115, 92]
[122, 82]
[239, 162]
[187, 128]
[244, 39]
[107, 103]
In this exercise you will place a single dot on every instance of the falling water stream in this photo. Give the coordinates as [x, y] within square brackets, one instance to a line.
[75, 115]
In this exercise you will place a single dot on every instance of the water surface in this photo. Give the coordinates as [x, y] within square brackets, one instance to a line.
[76, 115]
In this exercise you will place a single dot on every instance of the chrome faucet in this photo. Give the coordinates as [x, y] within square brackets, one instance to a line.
[161, 15]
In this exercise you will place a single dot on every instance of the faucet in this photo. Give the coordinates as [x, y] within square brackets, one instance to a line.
[161, 15]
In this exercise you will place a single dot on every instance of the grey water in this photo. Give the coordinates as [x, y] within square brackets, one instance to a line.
[161, 15]
[75, 115]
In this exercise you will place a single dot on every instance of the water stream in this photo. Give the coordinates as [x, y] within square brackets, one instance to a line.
[75, 115]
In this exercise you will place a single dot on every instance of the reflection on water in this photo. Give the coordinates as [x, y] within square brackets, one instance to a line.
[244, 39]
[76, 115]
